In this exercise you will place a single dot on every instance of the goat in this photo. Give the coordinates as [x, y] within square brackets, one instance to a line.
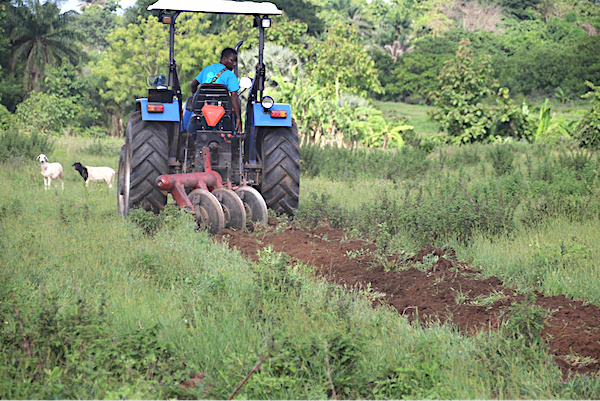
[51, 171]
[89, 173]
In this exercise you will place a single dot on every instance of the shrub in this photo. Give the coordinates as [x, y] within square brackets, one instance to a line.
[100, 148]
[70, 353]
[323, 366]
[502, 157]
[14, 144]
[587, 132]
[462, 109]
[526, 321]
[465, 82]
[343, 164]
[45, 113]
[5, 118]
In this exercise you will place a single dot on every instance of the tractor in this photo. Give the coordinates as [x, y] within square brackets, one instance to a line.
[225, 178]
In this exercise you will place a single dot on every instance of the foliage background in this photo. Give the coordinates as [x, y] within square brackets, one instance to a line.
[335, 58]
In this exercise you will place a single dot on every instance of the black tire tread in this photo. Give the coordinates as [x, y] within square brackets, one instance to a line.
[280, 184]
[149, 159]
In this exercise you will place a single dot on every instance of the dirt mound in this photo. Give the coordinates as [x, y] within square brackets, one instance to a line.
[432, 286]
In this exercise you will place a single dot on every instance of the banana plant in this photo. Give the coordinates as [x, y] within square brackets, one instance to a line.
[381, 133]
[544, 121]
[549, 127]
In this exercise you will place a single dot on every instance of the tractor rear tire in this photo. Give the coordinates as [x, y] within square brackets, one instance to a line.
[143, 158]
[280, 183]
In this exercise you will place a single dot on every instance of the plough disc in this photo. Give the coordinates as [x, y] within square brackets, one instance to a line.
[209, 212]
[233, 208]
[256, 208]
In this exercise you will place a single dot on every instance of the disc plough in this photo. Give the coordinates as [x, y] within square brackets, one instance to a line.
[216, 205]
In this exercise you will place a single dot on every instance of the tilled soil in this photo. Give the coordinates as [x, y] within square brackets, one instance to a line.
[447, 290]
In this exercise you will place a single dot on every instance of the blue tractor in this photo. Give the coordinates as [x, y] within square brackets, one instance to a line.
[226, 178]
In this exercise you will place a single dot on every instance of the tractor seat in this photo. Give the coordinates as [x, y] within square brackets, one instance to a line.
[213, 94]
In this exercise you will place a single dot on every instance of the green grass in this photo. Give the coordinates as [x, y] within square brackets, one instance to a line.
[127, 315]
[557, 258]
[572, 111]
[416, 115]
[489, 201]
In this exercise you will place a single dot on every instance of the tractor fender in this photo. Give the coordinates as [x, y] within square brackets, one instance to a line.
[263, 118]
[170, 111]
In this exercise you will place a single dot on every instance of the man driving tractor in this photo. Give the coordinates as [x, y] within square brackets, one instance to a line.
[222, 73]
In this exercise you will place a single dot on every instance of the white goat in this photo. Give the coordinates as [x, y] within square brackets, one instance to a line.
[89, 173]
[51, 171]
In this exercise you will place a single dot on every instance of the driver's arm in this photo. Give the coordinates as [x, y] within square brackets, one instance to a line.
[235, 102]
[194, 85]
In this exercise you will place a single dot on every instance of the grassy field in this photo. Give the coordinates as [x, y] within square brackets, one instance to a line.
[417, 114]
[527, 214]
[94, 306]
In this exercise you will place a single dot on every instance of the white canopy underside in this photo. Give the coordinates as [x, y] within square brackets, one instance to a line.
[217, 6]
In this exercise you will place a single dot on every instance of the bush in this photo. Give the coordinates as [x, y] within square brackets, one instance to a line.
[100, 148]
[462, 105]
[70, 353]
[428, 212]
[343, 164]
[450, 204]
[13, 144]
[322, 366]
[170, 217]
[45, 113]
[587, 132]
[525, 322]
[502, 157]
[5, 118]
[465, 83]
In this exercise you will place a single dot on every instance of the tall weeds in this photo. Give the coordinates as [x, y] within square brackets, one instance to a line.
[440, 198]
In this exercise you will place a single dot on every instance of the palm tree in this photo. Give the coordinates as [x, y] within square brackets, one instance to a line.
[41, 36]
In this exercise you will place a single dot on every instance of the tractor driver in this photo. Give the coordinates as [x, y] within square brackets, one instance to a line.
[222, 73]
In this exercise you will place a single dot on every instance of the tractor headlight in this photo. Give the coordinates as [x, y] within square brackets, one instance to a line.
[267, 102]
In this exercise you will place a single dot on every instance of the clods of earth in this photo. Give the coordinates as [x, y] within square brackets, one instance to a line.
[431, 286]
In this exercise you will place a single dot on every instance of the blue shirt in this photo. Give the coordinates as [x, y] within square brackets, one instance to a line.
[227, 78]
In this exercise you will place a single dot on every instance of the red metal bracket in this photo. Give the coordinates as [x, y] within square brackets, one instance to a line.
[177, 184]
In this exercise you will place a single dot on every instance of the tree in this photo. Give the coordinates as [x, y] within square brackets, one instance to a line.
[542, 68]
[277, 59]
[41, 36]
[10, 87]
[341, 61]
[465, 82]
[434, 17]
[292, 34]
[521, 9]
[134, 52]
[464, 109]
[196, 47]
[95, 23]
[587, 132]
[4, 41]
[394, 25]
[303, 10]
[52, 114]
[81, 91]
[414, 75]
[137, 12]
[553, 8]
[137, 51]
[345, 11]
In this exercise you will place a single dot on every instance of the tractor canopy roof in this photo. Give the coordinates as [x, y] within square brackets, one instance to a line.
[217, 6]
